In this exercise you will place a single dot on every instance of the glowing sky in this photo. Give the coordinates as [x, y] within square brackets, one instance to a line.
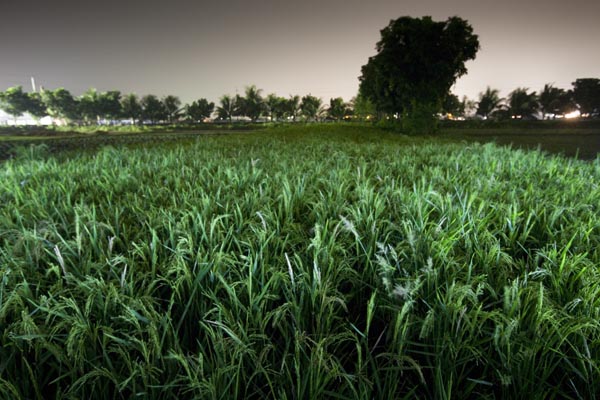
[206, 49]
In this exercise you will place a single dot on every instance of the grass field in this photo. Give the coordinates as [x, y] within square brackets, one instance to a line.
[300, 263]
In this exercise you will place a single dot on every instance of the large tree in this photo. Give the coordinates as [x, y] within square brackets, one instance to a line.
[586, 93]
[417, 62]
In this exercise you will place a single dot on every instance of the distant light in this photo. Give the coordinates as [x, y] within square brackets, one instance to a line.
[573, 114]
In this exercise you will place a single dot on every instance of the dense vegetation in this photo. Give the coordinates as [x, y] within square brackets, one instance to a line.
[417, 62]
[94, 108]
[294, 264]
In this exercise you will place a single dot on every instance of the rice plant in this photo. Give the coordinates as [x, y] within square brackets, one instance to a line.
[302, 262]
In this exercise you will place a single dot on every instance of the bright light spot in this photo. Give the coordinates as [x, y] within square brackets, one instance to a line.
[573, 114]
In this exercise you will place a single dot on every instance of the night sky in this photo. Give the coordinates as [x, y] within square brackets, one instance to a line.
[196, 49]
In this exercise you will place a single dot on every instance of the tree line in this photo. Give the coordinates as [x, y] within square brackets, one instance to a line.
[551, 102]
[93, 106]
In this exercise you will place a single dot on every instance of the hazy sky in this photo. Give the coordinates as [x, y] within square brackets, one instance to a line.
[206, 49]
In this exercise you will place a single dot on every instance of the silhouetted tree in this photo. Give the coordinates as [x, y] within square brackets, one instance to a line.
[586, 93]
[94, 105]
[252, 105]
[453, 106]
[549, 99]
[198, 110]
[131, 107]
[417, 62]
[292, 107]
[309, 106]
[172, 108]
[110, 105]
[469, 106]
[89, 105]
[227, 108]
[337, 108]
[272, 103]
[522, 104]
[489, 101]
[153, 109]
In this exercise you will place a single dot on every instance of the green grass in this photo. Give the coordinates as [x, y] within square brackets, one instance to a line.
[288, 264]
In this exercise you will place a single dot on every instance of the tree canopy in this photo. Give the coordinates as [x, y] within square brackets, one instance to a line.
[131, 107]
[522, 104]
[198, 110]
[337, 108]
[309, 106]
[417, 62]
[586, 92]
[489, 102]
[60, 103]
[153, 109]
[14, 101]
[171, 106]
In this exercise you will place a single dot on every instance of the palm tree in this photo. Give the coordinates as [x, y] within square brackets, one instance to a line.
[227, 107]
[337, 108]
[272, 103]
[293, 107]
[132, 108]
[489, 101]
[254, 105]
[522, 104]
[550, 99]
[172, 106]
[89, 106]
